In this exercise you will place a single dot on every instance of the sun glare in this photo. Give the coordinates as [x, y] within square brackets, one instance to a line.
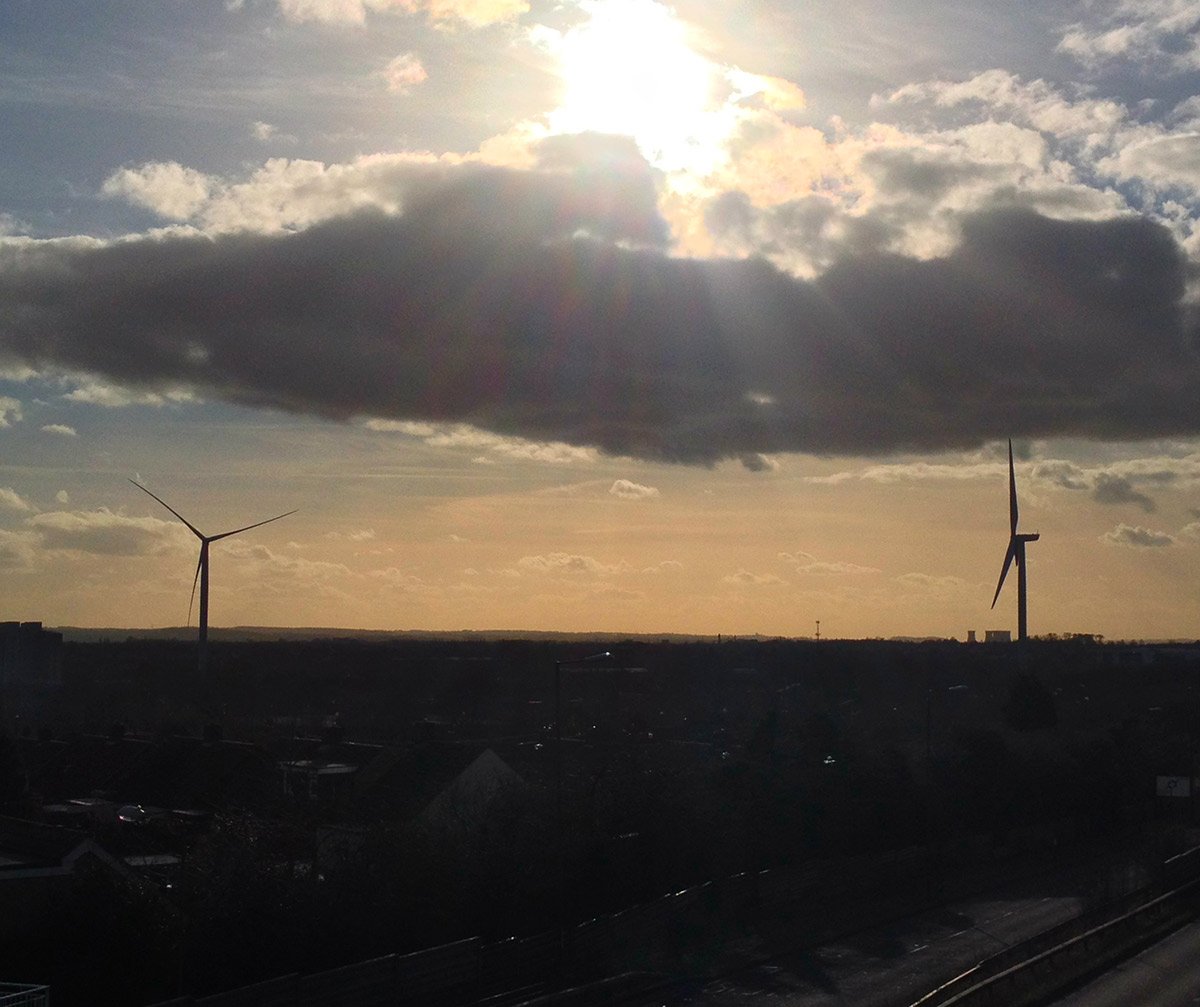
[629, 70]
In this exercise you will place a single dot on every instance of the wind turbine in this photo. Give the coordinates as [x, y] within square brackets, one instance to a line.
[1016, 553]
[202, 568]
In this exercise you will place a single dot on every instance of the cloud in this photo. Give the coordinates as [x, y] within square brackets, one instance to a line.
[752, 461]
[168, 189]
[913, 471]
[561, 562]
[105, 532]
[18, 550]
[1035, 103]
[666, 566]
[263, 570]
[744, 578]
[465, 437]
[1137, 536]
[356, 535]
[539, 305]
[946, 587]
[626, 490]
[1110, 489]
[98, 393]
[10, 411]
[404, 72]
[62, 497]
[61, 429]
[1190, 531]
[1064, 474]
[11, 225]
[773, 93]
[10, 499]
[475, 13]
[1161, 33]
[807, 563]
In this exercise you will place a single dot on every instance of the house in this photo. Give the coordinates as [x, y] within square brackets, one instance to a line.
[37, 863]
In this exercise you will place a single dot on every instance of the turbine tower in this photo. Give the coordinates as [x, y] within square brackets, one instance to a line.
[202, 570]
[1016, 554]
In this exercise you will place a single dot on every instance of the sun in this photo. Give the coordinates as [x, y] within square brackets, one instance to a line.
[629, 70]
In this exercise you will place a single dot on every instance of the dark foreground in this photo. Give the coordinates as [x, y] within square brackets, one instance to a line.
[317, 804]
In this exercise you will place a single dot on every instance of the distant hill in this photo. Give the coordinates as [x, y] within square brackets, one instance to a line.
[78, 634]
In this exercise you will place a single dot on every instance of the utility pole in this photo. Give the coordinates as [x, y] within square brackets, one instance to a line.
[818, 629]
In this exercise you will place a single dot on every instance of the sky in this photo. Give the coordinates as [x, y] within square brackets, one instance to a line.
[602, 315]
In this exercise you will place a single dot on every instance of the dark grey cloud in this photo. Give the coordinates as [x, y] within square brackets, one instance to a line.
[903, 171]
[1111, 489]
[542, 304]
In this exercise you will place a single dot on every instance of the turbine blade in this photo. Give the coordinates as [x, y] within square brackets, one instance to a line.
[1012, 492]
[195, 531]
[257, 524]
[1008, 559]
[195, 581]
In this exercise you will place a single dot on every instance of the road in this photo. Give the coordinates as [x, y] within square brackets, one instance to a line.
[1166, 974]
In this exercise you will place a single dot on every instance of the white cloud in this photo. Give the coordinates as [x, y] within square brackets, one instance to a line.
[62, 497]
[1156, 32]
[329, 11]
[1191, 531]
[1034, 103]
[666, 566]
[166, 188]
[561, 562]
[1137, 537]
[10, 499]
[61, 429]
[18, 550]
[280, 194]
[626, 490]
[462, 436]
[356, 535]
[106, 533]
[98, 393]
[744, 578]
[946, 587]
[1158, 158]
[267, 132]
[914, 471]
[11, 225]
[262, 569]
[807, 563]
[475, 13]
[404, 72]
[10, 411]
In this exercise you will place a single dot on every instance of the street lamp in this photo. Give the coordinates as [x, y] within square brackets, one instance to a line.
[558, 797]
